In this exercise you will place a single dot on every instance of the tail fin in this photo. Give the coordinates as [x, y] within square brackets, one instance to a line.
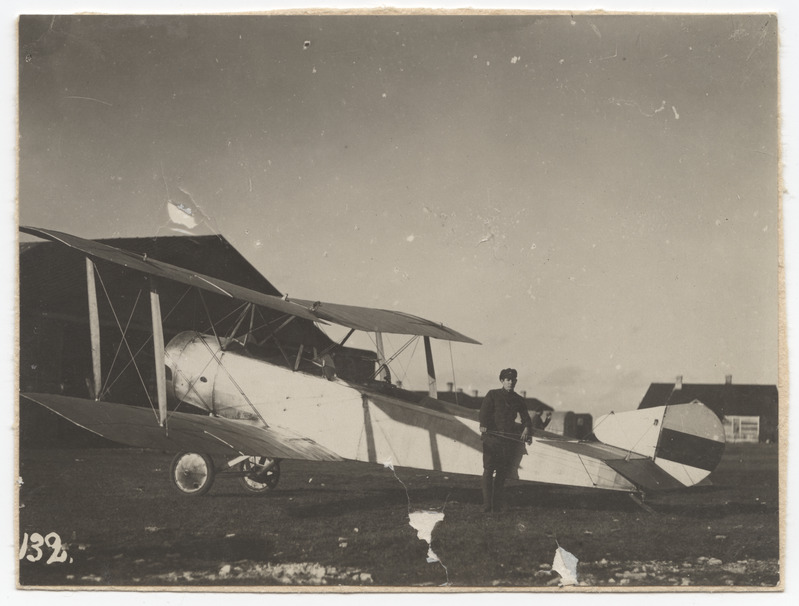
[684, 440]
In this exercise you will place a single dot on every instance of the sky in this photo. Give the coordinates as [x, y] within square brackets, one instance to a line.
[593, 198]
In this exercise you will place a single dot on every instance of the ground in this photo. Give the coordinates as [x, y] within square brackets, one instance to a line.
[113, 517]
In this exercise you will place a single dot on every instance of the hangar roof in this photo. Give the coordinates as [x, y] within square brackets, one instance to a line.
[53, 280]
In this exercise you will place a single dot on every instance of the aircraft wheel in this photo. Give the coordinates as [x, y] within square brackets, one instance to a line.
[261, 474]
[192, 473]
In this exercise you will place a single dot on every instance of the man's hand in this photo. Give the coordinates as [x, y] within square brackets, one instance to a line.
[526, 437]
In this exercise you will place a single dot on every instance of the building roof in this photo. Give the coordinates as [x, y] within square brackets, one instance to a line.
[724, 399]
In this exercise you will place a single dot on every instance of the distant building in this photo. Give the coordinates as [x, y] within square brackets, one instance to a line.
[750, 413]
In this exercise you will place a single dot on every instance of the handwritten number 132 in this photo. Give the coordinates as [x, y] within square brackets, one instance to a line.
[36, 542]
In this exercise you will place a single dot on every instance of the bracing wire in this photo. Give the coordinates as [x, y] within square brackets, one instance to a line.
[273, 333]
[230, 313]
[393, 357]
[413, 353]
[127, 346]
[245, 310]
[208, 315]
[191, 387]
[146, 342]
[235, 383]
[105, 386]
[580, 457]
[399, 362]
[631, 450]
[598, 425]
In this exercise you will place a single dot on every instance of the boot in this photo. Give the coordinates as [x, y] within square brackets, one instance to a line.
[499, 492]
[488, 492]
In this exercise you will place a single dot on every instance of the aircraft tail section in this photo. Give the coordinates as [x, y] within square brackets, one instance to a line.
[686, 441]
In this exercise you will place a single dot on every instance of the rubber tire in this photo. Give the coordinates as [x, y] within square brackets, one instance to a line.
[254, 486]
[192, 474]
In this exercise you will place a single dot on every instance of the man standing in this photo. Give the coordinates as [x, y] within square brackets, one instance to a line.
[501, 440]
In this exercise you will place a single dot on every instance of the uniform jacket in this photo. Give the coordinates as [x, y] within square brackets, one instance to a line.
[499, 409]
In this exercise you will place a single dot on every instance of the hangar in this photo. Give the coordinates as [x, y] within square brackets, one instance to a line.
[750, 413]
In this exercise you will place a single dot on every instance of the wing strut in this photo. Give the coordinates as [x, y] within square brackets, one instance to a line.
[247, 311]
[158, 349]
[381, 356]
[432, 389]
[252, 321]
[94, 330]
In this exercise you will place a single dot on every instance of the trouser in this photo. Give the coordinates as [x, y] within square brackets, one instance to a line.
[497, 456]
[493, 490]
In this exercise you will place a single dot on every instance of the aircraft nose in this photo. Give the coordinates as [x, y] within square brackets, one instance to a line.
[191, 367]
[173, 353]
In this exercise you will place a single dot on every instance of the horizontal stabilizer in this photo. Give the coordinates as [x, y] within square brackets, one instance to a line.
[685, 441]
[595, 450]
[137, 426]
[645, 474]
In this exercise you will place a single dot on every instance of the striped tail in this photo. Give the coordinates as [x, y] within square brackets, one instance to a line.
[684, 440]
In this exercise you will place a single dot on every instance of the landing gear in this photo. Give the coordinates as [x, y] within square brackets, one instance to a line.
[192, 474]
[259, 474]
[639, 498]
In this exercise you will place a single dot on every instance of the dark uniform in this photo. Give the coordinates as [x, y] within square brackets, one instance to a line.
[501, 438]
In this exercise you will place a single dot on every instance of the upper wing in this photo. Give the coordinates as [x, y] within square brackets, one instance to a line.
[147, 265]
[359, 318]
[381, 320]
[138, 427]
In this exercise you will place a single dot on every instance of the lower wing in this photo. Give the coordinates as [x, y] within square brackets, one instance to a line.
[136, 426]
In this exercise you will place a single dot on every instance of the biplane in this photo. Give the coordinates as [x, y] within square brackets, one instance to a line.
[237, 402]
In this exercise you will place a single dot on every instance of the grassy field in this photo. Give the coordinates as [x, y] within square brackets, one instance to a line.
[346, 524]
